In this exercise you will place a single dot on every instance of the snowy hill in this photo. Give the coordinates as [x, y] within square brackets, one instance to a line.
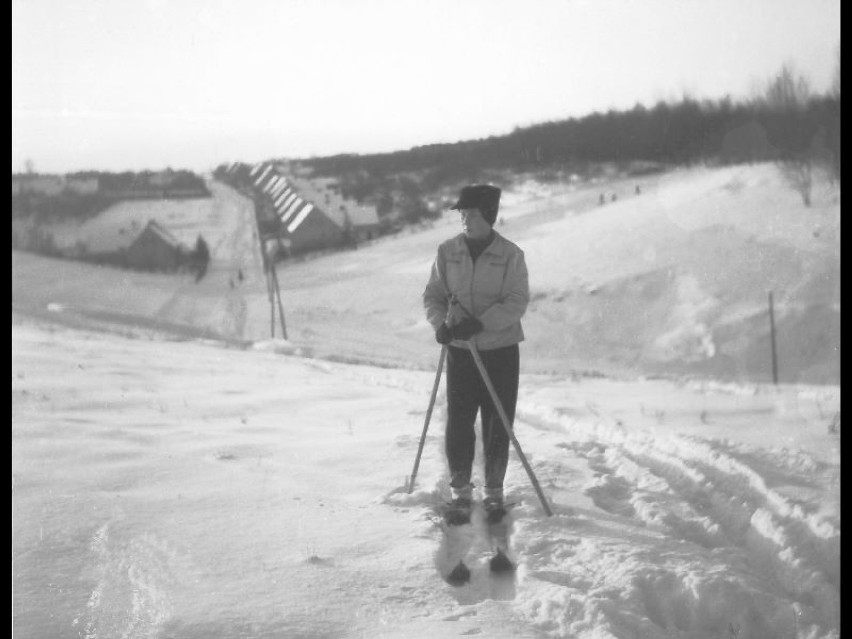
[672, 282]
[676, 280]
[177, 473]
[183, 489]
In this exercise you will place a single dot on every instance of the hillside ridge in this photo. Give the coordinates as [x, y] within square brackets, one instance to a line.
[670, 281]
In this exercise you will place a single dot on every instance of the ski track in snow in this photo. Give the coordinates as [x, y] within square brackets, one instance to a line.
[134, 580]
[686, 538]
[748, 560]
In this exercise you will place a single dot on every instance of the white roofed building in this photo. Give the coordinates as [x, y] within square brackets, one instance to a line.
[305, 214]
[361, 223]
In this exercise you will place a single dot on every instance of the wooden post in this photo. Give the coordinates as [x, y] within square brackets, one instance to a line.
[271, 293]
[772, 340]
[278, 298]
[267, 266]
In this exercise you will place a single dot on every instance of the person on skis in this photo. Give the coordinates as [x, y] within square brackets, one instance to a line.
[477, 292]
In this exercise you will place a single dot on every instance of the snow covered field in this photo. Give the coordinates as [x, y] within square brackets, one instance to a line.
[178, 473]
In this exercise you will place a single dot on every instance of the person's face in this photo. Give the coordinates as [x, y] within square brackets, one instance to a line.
[474, 225]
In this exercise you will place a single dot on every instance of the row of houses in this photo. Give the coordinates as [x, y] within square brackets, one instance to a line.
[52, 185]
[299, 214]
[158, 184]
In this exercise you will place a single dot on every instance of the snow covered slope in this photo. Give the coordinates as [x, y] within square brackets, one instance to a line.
[191, 489]
[178, 472]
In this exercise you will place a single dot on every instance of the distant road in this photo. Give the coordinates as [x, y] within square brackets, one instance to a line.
[236, 245]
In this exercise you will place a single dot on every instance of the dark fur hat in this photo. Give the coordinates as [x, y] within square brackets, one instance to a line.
[484, 197]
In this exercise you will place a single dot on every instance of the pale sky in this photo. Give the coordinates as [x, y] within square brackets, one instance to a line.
[144, 84]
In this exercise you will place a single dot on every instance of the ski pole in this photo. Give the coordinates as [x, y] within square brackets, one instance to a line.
[428, 417]
[506, 424]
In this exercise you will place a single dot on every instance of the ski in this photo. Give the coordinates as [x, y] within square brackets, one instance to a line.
[499, 526]
[457, 541]
[462, 534]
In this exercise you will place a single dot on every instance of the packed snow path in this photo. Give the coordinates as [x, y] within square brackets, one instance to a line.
[186, 489]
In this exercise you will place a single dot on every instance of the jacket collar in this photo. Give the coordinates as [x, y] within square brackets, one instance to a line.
[497, 246]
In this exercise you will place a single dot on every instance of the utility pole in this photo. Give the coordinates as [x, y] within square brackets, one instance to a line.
[270, 291]
[772, 340]
[267, 263]
[278, 298]
[263, 234]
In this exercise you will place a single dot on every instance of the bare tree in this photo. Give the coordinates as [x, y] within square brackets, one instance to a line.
[789, 94]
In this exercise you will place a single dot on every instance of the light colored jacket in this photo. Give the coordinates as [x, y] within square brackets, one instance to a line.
[494, 289]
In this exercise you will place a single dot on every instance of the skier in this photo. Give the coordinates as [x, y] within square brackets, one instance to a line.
[478, 290]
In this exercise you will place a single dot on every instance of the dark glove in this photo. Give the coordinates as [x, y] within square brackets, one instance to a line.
[467, 328]
[443, 335]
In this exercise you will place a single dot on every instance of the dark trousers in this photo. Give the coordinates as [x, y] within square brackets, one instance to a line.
[467, 395]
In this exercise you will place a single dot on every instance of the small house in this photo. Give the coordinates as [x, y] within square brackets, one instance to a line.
[155, 249]
[357, 222]
[310, 229]
[161, 179]
[37, 184]
[82, 185]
